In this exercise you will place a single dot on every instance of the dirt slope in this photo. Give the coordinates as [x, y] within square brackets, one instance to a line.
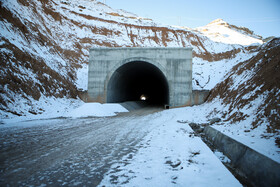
[254, 85]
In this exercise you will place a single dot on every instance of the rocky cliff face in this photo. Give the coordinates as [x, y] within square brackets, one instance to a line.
[44, 46]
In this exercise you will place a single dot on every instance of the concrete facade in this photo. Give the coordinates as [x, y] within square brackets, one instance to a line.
[172, 66]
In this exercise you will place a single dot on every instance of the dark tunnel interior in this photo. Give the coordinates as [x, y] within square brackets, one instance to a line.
[136, 81]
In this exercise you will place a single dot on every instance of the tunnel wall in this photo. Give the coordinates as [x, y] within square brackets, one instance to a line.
[174, 63]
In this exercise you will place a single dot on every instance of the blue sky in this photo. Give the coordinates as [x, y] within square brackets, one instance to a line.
[261, 16]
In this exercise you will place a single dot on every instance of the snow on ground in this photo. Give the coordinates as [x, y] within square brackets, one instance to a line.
[222, 157]
[256, 139]
[141, 148]
[61, 107]
[96, 110]
[55, 108]
[170, 155]
[44, 108]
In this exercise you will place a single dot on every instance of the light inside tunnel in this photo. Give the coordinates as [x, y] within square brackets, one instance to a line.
[130, 81]
[143, 97]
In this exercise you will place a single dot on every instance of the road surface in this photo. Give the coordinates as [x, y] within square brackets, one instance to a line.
[139, 148]
[66, 151]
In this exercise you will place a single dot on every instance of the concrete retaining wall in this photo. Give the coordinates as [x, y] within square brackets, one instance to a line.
[259, 169]
[199, 96]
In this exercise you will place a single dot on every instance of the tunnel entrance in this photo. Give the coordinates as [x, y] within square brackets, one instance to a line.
[138, 81]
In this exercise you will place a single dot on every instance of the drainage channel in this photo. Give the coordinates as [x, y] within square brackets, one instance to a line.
[248, 166]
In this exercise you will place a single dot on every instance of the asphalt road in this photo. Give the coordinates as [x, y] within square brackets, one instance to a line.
[69, 151]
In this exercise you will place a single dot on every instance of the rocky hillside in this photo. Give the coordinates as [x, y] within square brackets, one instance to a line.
[44, 48]
[250, 93]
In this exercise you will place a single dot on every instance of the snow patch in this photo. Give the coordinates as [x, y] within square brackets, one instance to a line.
[82, 77]
[96, 110]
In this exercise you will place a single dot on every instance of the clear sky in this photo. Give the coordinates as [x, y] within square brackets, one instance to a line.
[261, 16]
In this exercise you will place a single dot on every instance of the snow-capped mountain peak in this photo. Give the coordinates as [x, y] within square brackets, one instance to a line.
[221, 31]
[218, 22]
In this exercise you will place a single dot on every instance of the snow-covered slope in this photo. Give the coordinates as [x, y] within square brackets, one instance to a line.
[44, 49]
[220, 31]
[248, 100]
[253, 85]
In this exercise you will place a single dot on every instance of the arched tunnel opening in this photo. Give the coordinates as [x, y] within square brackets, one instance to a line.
[138, 81]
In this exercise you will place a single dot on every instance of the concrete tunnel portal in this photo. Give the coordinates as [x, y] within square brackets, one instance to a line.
[158, 75]
[136, 81]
